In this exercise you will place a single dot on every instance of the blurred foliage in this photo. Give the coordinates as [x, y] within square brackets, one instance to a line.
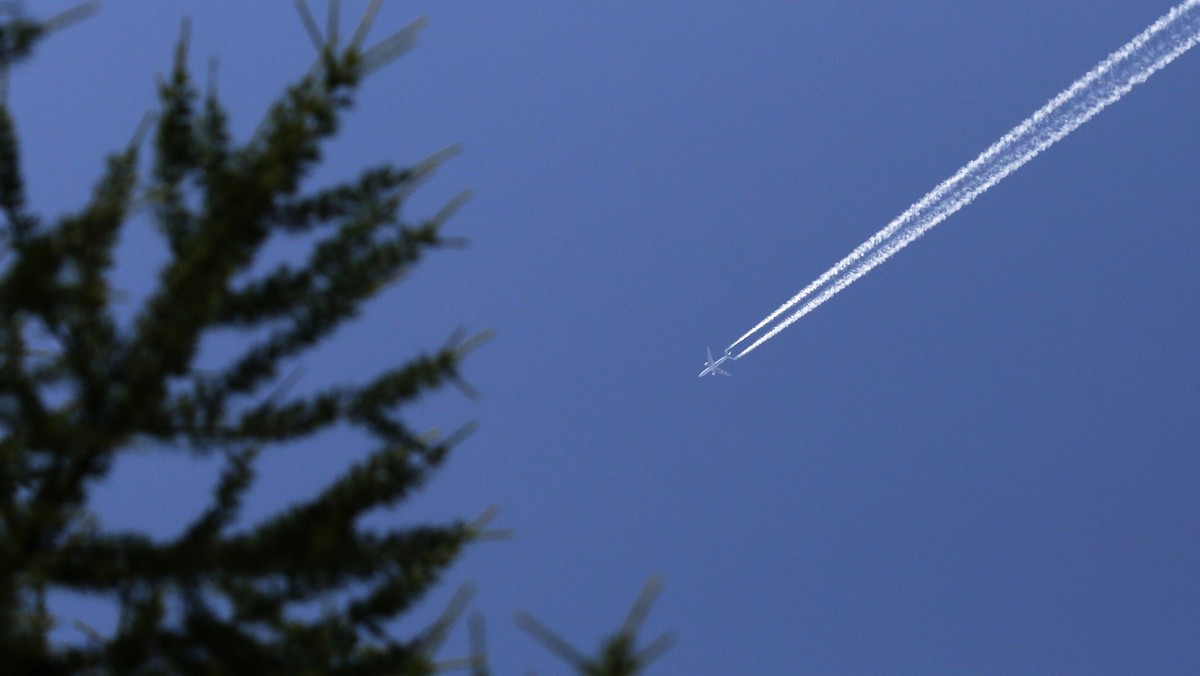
[216, 598]
[618, 654]
[225, 596]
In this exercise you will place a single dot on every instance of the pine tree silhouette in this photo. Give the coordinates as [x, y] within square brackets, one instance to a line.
[224, 596]
[221, 596]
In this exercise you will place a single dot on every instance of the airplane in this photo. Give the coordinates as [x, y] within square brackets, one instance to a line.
[712, 368]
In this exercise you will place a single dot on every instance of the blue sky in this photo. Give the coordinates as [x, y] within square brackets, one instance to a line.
[981, 457]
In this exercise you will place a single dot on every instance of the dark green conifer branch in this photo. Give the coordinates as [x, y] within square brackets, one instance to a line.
[18, 36]
[19, 222]
[618, 654]
[176, 151]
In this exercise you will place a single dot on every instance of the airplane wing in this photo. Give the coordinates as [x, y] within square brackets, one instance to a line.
[721, 371]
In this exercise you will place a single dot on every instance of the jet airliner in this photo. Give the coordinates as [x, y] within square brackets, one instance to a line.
[712, 368]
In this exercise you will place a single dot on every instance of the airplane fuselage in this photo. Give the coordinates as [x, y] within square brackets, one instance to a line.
[712, 368]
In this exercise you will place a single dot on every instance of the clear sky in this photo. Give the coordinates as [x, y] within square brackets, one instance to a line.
[980, 458]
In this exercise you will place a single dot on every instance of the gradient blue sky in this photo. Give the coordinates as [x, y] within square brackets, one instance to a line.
[980, 458]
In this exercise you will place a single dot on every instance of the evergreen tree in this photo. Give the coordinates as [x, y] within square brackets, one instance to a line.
[216, 598]
[224, 596]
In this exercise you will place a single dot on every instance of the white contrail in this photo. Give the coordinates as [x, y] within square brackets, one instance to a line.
[1165, 39]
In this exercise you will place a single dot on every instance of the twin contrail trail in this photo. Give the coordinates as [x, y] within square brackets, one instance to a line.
[1160, 44]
